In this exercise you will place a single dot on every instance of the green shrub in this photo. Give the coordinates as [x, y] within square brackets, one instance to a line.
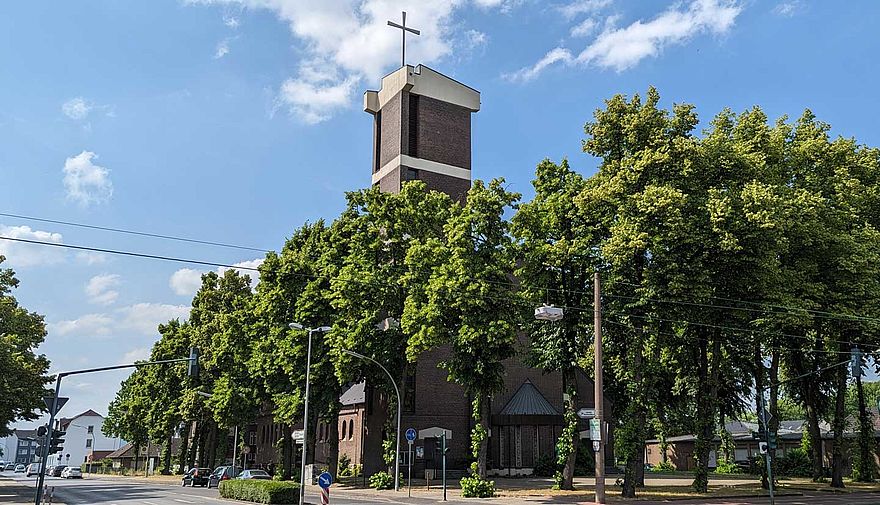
[475, 487]
[344, 466]
[664, 466]
[795, 463]
[381, 480]
[545, 466]
[727, 467]
[260, 491]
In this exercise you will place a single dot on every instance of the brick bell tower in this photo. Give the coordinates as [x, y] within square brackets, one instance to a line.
[422, 130]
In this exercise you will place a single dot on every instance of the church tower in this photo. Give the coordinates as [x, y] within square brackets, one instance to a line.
[422, 130]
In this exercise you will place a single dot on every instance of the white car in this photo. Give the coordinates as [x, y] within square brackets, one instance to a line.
[19, 468]
[34, 469]
[72, 472]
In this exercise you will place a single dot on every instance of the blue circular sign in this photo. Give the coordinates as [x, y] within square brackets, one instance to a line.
[411, 434]
[324, 480]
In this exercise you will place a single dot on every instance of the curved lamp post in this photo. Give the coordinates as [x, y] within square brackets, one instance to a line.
[399, 406]
[302, 475]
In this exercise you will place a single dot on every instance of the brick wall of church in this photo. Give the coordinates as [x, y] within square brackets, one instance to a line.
[444, 132]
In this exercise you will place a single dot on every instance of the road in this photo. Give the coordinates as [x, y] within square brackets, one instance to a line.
[111, 491]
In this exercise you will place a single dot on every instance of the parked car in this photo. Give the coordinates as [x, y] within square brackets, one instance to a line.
[19, 468]
[222, 473]
[9, 466]
[34, 469]
[71, 472]
[196, 477]
[56, 471]
[255, 474]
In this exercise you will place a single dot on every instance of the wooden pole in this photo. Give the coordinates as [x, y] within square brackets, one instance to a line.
[598, 394]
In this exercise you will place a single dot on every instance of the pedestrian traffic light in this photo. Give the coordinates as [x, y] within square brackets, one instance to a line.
[56, 442]
[192, 368]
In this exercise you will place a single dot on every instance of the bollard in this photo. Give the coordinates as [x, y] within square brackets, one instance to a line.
[325, 496]
[51, 494]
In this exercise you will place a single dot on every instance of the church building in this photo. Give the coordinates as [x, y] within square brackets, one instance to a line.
[422, 131]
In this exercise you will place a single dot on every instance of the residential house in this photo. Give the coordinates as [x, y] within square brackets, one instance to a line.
[83, 440]
[20, 447]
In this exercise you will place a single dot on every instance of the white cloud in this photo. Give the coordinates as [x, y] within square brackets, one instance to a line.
[353, 43]
[86, 182]
[22, 255]
[139, 354]
[623, 48]
[91, 258]
[529, 73]
[186, 281]
[222, 49]
[231, 21]
[475, 39]
[578, 7]
[584, 28]
[76, 108]
[787, 9]
[88, 325]
[100, 290]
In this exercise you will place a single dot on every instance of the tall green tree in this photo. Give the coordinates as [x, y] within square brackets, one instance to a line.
[23, 381]
[459, 296]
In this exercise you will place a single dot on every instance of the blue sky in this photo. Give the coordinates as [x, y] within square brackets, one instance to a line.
[238, 120]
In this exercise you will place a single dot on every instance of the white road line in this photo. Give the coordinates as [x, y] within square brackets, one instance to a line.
[183, 501]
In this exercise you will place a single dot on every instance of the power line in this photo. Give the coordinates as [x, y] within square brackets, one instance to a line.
[127, 253]
[133, 232]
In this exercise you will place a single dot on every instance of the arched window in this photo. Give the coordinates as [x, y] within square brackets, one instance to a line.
[343, 430]
[351, 429]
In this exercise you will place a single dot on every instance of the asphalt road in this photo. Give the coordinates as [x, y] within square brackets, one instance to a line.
[120, 491]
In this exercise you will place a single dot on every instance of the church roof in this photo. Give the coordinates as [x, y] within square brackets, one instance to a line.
[354, 395]
[528, 401]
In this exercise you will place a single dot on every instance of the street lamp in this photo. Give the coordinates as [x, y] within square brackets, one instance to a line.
[399, 406]
[549, 313]
[302, 474]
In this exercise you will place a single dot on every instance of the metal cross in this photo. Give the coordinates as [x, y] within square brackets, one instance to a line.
[403, 30]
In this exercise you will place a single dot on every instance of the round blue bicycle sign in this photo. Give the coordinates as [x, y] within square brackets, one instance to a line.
[324, 480]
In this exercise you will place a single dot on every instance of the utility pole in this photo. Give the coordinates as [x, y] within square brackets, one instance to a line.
[598, 394]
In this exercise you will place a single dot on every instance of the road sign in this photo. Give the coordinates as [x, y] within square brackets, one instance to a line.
[586, 413]
[765, 417]
[411, 435]
[324, 480]
[595, 446]
[595, 430]
[246, 449]
[298, 435]
[48, 401]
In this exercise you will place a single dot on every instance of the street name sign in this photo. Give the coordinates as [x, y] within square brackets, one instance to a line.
[586, 413]
[595, 430]
[298, 435]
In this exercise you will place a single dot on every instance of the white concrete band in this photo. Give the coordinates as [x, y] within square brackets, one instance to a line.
[420, 164]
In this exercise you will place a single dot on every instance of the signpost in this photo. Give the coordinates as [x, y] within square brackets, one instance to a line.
[596, 434]
[298, 436]
[586, 413]
[410, 438]
[324, 482]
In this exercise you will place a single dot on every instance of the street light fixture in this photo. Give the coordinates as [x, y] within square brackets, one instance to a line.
[302, 474]
[399, 407]
[549, 313]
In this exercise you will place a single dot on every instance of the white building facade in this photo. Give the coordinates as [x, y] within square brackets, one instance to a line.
[84, 438]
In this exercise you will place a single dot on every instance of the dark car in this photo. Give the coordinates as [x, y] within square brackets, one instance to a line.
[196, 477]
[55, 471]
[222, 473]
[9, 467]
[255, 474]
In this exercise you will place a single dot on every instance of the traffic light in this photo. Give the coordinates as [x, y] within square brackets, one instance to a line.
[41, 431]
[192, 368]
[772, 440]
[56, 442]
[855, 364]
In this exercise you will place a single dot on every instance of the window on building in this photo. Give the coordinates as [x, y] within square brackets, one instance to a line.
[344, 431]
[378, 145]
[88, 442]
[351, 429]
[410, 174]
[91, 429]
[413, 139]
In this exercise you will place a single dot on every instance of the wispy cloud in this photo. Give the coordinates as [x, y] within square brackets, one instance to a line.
[579, 7]
[529, 73]
[86, 182]
[23, 255]
[787, 9]
[222, 49]
[100, 290]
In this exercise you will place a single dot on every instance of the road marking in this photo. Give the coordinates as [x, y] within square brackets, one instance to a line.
[184, 501]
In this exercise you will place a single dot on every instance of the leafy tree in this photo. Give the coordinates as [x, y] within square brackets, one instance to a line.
[23, 381]
[459, 296]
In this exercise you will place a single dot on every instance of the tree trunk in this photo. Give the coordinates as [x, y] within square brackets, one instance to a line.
[182, 451]
[166, 456]
[839, 425]
[867, 466]
[483, 451]
[288, 451]
[635, 424]
[703, 422]
[570, 386]
[333, 456]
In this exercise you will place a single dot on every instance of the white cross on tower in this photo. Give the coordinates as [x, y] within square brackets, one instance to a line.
[403, 30]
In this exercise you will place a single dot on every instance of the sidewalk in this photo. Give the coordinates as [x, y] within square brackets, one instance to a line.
[12, 492]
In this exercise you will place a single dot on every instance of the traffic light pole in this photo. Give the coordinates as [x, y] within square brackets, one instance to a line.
[53, 411]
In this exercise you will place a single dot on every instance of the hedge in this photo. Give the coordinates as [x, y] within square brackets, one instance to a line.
[260, 491]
